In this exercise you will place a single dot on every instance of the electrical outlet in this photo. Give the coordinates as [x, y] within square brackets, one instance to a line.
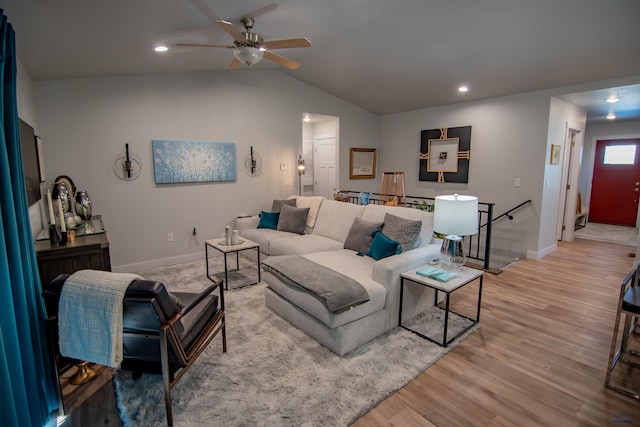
[516, 182]
[169, 237]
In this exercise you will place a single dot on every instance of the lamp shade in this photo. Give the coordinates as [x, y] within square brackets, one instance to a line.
[457, 215]
[248, 55]
[392, 188]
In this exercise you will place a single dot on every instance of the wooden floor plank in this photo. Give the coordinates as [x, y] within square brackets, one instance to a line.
[540, 355]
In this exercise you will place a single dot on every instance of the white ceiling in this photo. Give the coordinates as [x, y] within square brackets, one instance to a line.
[385, 56]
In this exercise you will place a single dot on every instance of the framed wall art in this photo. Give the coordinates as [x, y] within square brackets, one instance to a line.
[555, 154]
[189, 162]
[444, 154]
[362, 163]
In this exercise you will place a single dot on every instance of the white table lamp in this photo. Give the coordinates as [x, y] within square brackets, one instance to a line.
[455, 216]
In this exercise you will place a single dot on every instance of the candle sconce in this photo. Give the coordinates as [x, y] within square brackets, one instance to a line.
[127, 165]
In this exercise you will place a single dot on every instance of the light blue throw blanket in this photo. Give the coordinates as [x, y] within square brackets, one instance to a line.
[90, 316]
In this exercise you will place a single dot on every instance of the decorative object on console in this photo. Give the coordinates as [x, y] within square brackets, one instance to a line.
[83, 205]
[364, 198]
[62, 192]
[188, 162]
[362, 163]
[253, 163]
[455, 216]
[444, 154]
[301, 169]
[392, 188]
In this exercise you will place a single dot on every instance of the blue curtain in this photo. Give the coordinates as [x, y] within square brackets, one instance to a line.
[27, 383]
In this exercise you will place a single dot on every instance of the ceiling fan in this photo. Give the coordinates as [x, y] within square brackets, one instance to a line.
[249, 48]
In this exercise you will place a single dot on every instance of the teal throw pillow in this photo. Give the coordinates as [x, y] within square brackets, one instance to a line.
[269, 220]
[383, 247]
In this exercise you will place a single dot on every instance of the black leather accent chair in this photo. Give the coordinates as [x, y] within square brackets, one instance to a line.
[621, 351]
[158, 337]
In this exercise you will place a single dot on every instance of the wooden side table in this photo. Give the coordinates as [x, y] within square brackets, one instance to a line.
[220, 246]
[463, 277]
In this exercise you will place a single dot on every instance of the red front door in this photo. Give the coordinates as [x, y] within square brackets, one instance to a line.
[616, 182]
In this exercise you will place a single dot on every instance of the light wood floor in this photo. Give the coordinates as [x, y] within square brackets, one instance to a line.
[540, 355]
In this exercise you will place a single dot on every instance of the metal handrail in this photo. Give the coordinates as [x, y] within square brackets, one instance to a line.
[485, 212]
[508, 213]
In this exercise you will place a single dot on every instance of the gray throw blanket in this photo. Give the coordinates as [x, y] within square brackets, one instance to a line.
[336, 290]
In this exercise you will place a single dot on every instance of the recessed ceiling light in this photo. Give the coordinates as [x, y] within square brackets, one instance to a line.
[161, 48]
[613, 99]
[306, 118]
[463, 89]
[611, 116]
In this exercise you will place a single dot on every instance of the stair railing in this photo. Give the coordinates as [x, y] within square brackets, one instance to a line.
[475, 242]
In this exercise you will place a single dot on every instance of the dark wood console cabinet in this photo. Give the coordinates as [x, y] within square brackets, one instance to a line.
[85, 252]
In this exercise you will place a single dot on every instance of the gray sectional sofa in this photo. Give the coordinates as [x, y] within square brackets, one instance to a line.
[328, 225]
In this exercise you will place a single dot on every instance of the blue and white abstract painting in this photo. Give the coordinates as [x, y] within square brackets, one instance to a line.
[186, 162]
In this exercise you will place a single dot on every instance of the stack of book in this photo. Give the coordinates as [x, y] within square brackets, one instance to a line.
[436, 273]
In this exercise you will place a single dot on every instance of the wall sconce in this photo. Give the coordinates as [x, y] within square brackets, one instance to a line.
[301, 169]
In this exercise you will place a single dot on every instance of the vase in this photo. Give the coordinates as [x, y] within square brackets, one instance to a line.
[61, 191]
[83, 205]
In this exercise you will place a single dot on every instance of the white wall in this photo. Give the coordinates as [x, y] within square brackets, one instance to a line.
[508, 141]
[85, 124]
[562, 115]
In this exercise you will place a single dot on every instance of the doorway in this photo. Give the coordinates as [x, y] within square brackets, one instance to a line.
[615, 185]
[320, 148]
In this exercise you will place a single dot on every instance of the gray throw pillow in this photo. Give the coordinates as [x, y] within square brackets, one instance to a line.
[292, 219]
[361, 234]
[405, 231]
[277, 204]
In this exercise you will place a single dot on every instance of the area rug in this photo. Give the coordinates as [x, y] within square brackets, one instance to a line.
[609, 233]
[273, 374]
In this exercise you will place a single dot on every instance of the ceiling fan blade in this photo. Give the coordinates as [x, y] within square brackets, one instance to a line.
[292, 65]
[233, 31]
[203, 45]
[287, 43]
[235, 63]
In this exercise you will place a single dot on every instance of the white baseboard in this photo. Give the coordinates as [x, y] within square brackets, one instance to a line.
[146, 265]
[542, 253]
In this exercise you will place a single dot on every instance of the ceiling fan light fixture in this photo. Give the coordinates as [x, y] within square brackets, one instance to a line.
[248, 55]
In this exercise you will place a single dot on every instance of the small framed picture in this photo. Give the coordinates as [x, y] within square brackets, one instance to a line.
[555, 154]
[362, 163]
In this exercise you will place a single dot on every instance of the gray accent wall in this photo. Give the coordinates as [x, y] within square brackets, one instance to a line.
[85, 124]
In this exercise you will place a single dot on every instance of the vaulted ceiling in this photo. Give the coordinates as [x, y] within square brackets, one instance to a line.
[384, 56]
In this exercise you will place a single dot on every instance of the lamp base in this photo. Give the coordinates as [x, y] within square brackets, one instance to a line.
[452, 255]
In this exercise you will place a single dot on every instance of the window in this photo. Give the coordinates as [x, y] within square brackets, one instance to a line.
[619, 154]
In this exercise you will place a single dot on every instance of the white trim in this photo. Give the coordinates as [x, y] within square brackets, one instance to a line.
[542, 253]
[146, 265]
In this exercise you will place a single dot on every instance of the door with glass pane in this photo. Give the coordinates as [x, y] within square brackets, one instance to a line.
[616, 182]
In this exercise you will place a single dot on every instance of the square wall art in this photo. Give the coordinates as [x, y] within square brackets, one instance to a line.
[178, 162]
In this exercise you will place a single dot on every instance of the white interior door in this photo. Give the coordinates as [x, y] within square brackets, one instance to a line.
[324, 166]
